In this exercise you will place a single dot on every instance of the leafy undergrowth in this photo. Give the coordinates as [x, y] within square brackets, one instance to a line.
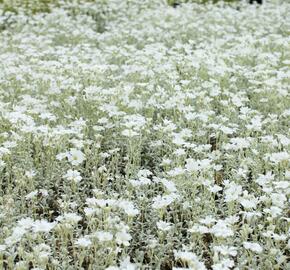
[156, 140]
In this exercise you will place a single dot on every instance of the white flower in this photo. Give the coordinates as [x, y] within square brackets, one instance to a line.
[89, 211]
[283, 186]
[61, 156]
[142, 181]
[255, 247]
[275, 236]
[33, 194]
[278, 199]
[278, 157]
[42, 251]
[25, 223]
[83, 242]
[163, 201]
[170, 186]
[75, 156]
[70, 218]
[263, 180]
[163, 226]
[16, 236]
[123, 238]
[215, 188]
[73, 175]
[127, 265]
[221, 229]
[42, 226]
[274, 211]
[208, 220]
[176, 171]
[224, 264]
[256, 123]
[225, 250]
[197, 165]
[129, 133]
[196, 228]
[190, 258]
[103, 236]
[128, 208]
[30, 174]
[237, 144]
[249, 203]
[232, 191]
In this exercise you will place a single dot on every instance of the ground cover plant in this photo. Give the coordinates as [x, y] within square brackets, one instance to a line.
[135, 135]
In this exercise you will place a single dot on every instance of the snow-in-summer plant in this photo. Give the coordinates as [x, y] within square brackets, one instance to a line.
[135, 135]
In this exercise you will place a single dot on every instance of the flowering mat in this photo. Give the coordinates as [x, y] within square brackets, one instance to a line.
[139, 135]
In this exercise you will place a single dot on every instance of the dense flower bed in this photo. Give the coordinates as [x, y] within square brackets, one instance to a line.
[134, 135]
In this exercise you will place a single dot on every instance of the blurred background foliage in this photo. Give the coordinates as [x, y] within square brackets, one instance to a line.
[98, 12]
[35, 6]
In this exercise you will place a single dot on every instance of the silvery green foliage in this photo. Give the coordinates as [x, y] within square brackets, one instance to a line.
[158, 139]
